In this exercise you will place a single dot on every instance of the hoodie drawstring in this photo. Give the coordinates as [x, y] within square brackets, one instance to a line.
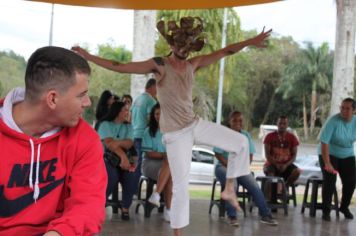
[36, 191]
[31, 167]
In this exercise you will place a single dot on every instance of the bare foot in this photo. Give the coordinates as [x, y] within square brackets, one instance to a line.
[231, 198]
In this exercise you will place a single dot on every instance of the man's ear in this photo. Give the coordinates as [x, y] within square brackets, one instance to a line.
[52, 99]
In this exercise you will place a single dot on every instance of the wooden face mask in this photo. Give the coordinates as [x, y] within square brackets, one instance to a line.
[187, 36]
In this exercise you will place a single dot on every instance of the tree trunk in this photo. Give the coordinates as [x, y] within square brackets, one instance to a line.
[305, 121]
[343, 77]
[269, 108]
[313, 107]
[143, 46]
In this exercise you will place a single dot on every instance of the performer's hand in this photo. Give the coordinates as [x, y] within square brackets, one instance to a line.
[260, 40]
[80, 51]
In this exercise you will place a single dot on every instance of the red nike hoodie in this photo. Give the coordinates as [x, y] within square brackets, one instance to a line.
[56, 182]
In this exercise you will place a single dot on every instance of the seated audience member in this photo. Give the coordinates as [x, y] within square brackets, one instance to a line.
[246, 181]
[281, 150]
[48, 152]
[105, 100]
[155, 163]
[127, 99]
[116, 135]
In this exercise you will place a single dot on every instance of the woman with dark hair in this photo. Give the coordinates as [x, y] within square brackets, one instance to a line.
[117, 138]
[127, 99]
[104, 103]
[337, 156]
[155, 164]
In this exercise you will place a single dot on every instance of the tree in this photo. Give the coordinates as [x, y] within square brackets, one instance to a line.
[264, 69]
[144, 45]
[318, 69]
[1, 88]
[307, 77]
[12, 71]
[344, 59]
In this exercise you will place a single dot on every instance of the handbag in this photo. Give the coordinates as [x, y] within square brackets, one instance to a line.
[112, 157]
[115, 160]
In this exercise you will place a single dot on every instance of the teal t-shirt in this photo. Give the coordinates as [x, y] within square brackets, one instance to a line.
[110, 129]
[340, 136]
[150, 143]
[225, 154]
[140, 110]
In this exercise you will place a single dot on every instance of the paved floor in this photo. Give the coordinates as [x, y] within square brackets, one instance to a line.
[203, 224]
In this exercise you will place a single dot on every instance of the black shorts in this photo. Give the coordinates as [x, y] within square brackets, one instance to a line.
[285, 174]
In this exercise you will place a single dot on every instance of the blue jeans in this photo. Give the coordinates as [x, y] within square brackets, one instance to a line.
[138, 171]
[126, 178]
[248, 182]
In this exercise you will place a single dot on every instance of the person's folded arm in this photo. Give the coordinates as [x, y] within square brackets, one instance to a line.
[113, 143]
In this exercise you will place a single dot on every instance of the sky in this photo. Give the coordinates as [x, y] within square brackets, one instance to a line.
[25, 26]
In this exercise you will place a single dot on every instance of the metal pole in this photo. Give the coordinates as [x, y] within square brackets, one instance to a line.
[221, 70]
[51, 27]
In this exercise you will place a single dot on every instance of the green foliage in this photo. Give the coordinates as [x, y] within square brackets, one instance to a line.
[111, 52]
[12, 71]
[310, 71]
[262, 70]
[103, 79]
[1, 88]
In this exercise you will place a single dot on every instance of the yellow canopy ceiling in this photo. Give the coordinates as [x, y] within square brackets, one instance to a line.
[158, 4]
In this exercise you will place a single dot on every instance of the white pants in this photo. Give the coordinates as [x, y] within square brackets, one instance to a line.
[179, 151]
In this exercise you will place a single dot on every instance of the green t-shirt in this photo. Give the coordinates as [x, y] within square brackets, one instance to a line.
[225, 154]
[110, 129]
[140, 110]
[150, 143]
[339, 135]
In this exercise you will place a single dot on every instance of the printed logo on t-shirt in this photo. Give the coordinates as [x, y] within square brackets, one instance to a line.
[19, 178]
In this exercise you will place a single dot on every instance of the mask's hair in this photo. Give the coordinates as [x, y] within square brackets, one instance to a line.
[52, 68]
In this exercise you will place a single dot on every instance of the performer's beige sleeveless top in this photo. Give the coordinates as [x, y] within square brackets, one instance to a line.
[174, 92]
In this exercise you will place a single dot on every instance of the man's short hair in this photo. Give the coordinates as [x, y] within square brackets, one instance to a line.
[352, 101]
[283, 117]
[52, 68]
[151, 82]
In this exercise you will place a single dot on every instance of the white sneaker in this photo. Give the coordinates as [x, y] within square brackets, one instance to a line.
[154, 199]
[167, 215]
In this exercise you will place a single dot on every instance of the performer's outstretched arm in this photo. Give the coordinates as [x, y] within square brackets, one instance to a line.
[142, 67]
[206, 60]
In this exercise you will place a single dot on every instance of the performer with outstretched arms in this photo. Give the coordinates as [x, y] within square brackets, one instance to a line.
[182, 128]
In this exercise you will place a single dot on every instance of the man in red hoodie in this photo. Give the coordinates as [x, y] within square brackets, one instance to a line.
[52, 174]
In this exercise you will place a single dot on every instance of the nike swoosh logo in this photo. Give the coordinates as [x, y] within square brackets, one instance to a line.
[9, 208]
